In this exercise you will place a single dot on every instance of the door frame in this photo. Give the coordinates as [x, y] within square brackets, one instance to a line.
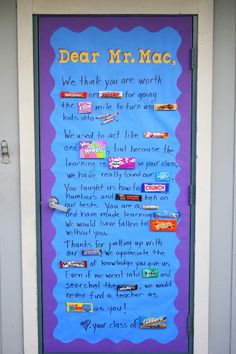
[39, 163]
[25, 11]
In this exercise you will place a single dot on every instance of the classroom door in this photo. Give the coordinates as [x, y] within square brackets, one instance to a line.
[115, 103]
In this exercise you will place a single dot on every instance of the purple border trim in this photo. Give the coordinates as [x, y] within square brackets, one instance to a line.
[47, 25]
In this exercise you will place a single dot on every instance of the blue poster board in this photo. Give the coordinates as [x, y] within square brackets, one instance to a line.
[115, 110]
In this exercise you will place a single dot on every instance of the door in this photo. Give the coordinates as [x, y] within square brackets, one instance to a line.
[116, 127]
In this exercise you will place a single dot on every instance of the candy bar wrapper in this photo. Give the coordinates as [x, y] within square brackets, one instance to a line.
[122, 163]
[165, 107]
[110, 94]
[158, 135]
[153, 322]
[129, 197]
[73, 264]
[92, 149]
[73, 94]
[150, 273]
[167, 214]
[85, 107]
[163, 225]
[150, 207]
[108, 120]
[104, 115]
[155, 188]
[163, 176]
[93, 252]
[127, 287]
[79, 307]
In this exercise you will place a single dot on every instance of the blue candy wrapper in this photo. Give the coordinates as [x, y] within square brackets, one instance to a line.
[163, 176]
[165, 214]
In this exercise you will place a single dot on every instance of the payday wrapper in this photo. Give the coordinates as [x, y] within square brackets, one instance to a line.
[92, 149]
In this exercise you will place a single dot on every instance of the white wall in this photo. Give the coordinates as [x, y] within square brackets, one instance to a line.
[223, 235]
[10, 238]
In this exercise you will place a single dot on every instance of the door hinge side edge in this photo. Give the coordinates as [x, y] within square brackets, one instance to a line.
[190, 325]
[192, 194]
[193, 58]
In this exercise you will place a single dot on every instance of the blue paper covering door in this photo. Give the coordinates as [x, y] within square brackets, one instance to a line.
[115, 132]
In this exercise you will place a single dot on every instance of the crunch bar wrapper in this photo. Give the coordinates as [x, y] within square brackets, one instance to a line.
[155, 187]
